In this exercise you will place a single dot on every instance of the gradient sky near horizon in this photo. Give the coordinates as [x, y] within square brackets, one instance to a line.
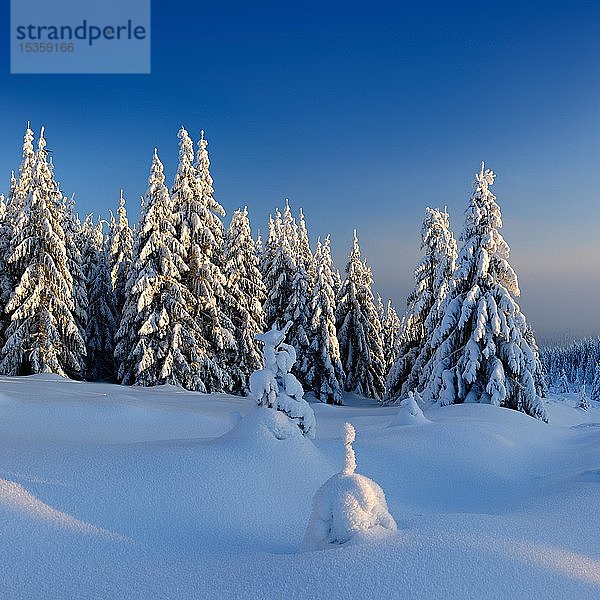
[363, 114]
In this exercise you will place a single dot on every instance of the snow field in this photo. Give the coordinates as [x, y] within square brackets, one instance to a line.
[108, 491]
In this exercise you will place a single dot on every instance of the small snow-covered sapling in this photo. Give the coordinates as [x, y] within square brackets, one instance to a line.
[349, 456]
[348, 506]
[274, 386]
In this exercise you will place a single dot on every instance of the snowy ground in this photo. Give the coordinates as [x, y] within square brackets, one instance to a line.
[113, 492]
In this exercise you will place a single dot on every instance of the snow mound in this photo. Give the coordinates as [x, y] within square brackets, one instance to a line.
[348, 507]
[16, 500]
[265, 424]
[409, 413]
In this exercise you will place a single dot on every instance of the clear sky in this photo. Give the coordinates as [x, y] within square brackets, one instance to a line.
[363, 114]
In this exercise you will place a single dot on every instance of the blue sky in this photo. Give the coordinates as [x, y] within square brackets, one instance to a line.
[363, 114]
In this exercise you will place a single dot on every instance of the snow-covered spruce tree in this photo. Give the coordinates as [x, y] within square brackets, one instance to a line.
[5, 279]
[391, 332]
[13, 186]
[381, 314]
[213, 248]
[595, 391]
[359, 330]
[247, 293]
[290, 228]
[120, 252]
[539, 375]
[581, 373]
[73, 243]
[325, 376]
[337, 282]
[584, 401]
[433, 281]
[274, 386]
[258, 249]
[591, 363]
[279, 270]
[563, 383]
[561, 366]
[43, 336]
[88, 245]
[304, 255]
[5, 235]
[15, 216]
[102, 313]
[20, 187]
[390, 329]
[298, 311]
[158, 340]
[201, 234]
[481, 349]
[267, 249]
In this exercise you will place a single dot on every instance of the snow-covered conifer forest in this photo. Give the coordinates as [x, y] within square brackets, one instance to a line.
[176, 396]
[180, 297]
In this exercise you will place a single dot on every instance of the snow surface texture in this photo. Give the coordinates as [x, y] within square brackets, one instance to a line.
[114, 492]
[348, 507]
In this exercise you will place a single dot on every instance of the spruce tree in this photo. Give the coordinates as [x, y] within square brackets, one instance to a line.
[13, 186]
[158, 340]
[433, 281]
[290, 229]
[15, 215]
[247, 293]
[325, 376]
[304, 255]
[591, 362]
[42, 336]
[279, 270]
[595, 391]
[102, 315]
[223, 338]
[6, 283]
[20, 188]
[120, 253]
[539, 375]
[390, 329]
[258, 249]
[381, 314]
[200, 232]
[337, 282]
[563, 383]
[74, 241]
[359, 330]
[267, 249]
[298, 311]
[5, 235]
[481, 349]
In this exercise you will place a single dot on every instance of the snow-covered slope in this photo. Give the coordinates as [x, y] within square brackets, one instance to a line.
[114, 492]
